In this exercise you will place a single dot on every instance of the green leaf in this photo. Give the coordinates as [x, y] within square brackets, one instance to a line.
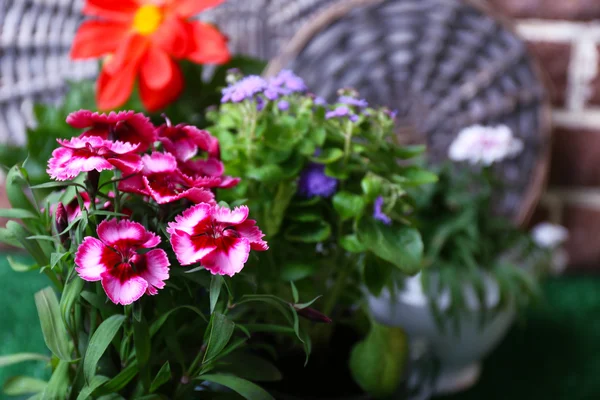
[294, 292]
[352, 244]
[310, 232]
[294, 271]
[406, 152]
[246, 389]
[376, 273]
[399, 245]
[221, 330]
[16, 213]
[86, 391]
[99, 302]
[143, 347]
[59, 382]
[251, 367]
[348, 205]
[70, 295]
[55, 334]
[371, 186]
[378, 362]
[54, 185]
[20, 267]
[32, 246]
[414, 176]
[6, 236]
[99, 343]
[19, 385]
[215, 289]
[268, 174]
[55, 258]
[328, 156]
[121, 380]
[21, 357]
[163, 376]
[15, 191]
[276, 212]
[156, 325]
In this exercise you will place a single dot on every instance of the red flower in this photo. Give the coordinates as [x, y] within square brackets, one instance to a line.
[124, 126]
[143, 37]
[186, 141]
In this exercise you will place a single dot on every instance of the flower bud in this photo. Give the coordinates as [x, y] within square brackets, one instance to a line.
[61, 222]
[313, 315]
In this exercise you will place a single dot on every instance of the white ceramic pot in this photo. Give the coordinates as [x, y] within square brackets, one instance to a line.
[459, 355]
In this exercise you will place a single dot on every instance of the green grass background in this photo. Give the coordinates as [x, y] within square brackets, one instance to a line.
[553, 354]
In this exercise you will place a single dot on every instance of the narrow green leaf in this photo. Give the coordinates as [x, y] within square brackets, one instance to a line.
[328, 156]
[21, 357]
[120, 381]
[55, 334]
[86, 392]
[246, 389]
[143, 347]
[54, 185]
[32, 246]
[251, 367]
[6, 236]
[16, 213]
[215, 289]
[99, 302]
[300, 306]
[295, 295]
[19, 385]
[20, 267]
[220, 333]
[294, 271]
[156, 325]
[15, 191]
[310, 232]
[59, 382]
[352, 244]
[163, 376]
[71, 293]
[99, 343]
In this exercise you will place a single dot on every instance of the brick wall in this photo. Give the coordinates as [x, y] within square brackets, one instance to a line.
[565, 36]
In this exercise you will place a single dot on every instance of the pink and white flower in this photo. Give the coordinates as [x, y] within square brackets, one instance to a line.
[124, 126]
[113, 259]
[186, 141]
[217, 237]
[484, 145]
[165, 183]
[84, 154]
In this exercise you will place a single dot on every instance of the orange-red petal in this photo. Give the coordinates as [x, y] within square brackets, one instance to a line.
[113, 90]
[97, 38]
[210, 45]
[156, 99]
[156, 69]
[120, 10]
[174, 37]
[189, 8]
[130, 52]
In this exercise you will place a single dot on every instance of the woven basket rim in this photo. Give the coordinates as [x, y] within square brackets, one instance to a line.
[335, 11]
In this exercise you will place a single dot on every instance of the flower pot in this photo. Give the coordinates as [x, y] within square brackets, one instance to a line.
[459, 351]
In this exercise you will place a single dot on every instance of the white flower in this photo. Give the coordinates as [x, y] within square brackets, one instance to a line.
[549, 235]
[484, 145]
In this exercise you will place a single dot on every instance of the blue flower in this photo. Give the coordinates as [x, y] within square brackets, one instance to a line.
[243, 89]
[313, 182]
[378, 214]
[360, 103]
[340, 112]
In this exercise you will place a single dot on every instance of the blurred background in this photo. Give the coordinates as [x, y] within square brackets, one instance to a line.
[554, 352]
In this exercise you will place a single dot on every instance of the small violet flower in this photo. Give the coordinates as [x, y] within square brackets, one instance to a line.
[244, 89]
[313, 182]
[549, 235]
[484, 145]
[319, 101]
[217, 237]
[285, 83]
[378, 213]
[113, 259]
[341, 112]
[360, 103]
[283, 105]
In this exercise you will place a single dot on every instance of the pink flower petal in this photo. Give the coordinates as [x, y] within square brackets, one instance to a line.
[191, 250]
[114, 232]
[250, 231]
[198, 195]
[193, 216]
[134, 184]
[227, 182]
[157, 163]
[150, 240]
[210, 167]
[229, 257]
[127, 163]
[119, 147]
[228, 216]
[154, 268]
[122, 286]
[93, 258]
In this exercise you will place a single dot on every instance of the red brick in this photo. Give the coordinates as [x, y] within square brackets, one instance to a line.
[582, 10]
[575, 157]
[553, 59]
[583, 245]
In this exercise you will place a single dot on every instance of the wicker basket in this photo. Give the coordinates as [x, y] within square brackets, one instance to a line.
[444, 65]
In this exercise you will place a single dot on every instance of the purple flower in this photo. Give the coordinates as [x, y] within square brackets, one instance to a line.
[378, 214]
[313, 182]
[283, 105]
[244, 89]
[288, 82]
[340, 112]
[319, 101]
[360, 103]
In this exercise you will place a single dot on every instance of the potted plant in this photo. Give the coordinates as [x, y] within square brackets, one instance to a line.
[479, 268]
[329, 184]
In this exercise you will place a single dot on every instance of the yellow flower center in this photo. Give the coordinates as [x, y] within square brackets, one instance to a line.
[147, 19]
